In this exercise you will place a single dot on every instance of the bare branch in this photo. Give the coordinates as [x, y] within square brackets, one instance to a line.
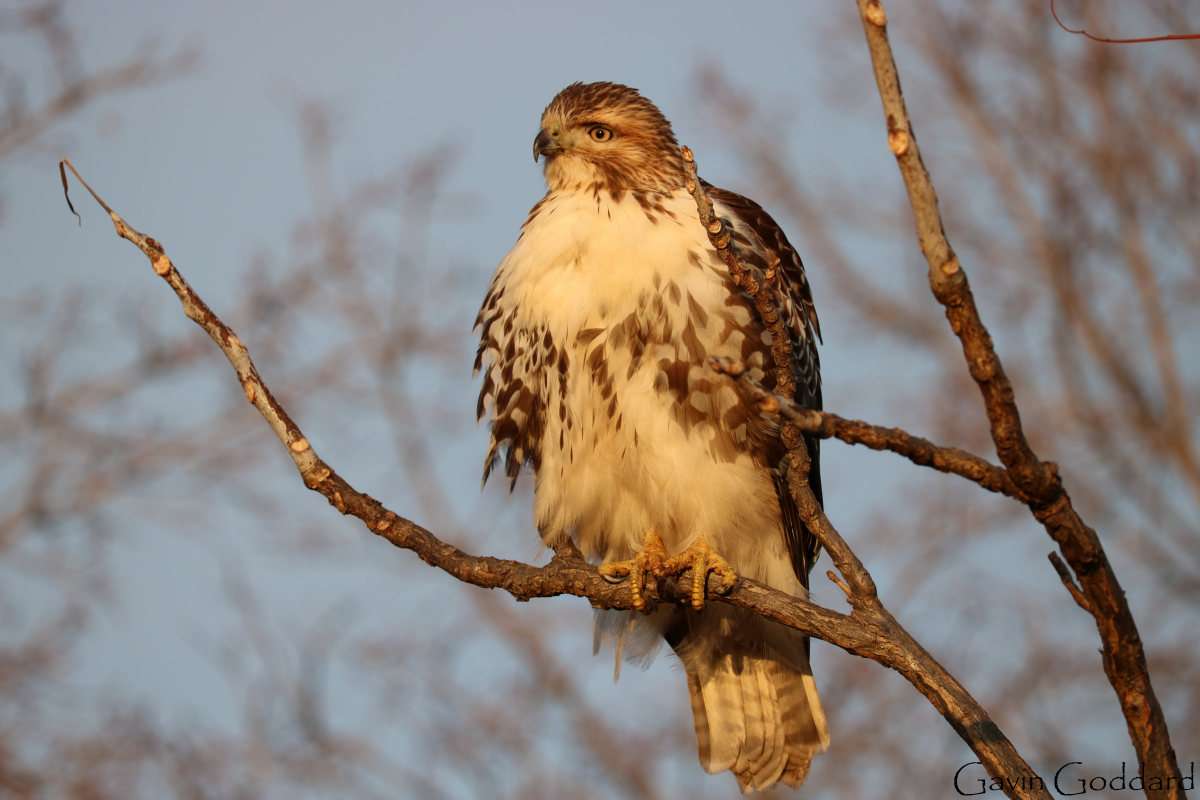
[826, 425]
[904, 654]
[869, 631]
[567, 572]
[747, 276]
[1069, 582]
[1123, 654]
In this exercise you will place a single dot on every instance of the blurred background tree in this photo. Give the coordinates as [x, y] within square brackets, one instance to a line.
[179, 619]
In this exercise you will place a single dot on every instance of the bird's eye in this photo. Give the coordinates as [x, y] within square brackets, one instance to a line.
[601, 134]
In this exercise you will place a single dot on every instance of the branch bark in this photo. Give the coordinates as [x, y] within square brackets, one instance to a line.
[900, 651]
[1123, 655]
[827, 425]
[868, 631]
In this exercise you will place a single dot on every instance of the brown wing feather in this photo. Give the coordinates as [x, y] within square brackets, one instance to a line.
[766, 243]
[518, 367]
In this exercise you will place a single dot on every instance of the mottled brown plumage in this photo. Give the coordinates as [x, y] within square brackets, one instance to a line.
[595, 335]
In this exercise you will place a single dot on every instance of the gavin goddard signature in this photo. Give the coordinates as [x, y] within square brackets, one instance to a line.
[1067, 783]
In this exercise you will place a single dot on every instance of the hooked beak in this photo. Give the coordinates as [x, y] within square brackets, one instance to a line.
[545, 144]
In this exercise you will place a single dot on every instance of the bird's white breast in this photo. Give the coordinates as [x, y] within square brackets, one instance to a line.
[638, 431]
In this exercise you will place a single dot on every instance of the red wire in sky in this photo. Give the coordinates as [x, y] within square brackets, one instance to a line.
[1118, 41]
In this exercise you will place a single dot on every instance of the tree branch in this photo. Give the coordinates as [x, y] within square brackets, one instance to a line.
[567, 572]
[869, 631]
[827, 425]
[1123, 655]
[747, 276]
[897, 649]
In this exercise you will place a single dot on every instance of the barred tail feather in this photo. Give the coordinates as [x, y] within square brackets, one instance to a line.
[757, 713]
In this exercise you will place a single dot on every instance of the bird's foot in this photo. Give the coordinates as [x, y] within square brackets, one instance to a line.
[645, 564]
[701, 559]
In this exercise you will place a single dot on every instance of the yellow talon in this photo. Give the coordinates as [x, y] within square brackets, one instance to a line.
[701, 559]
[655, 561]
[646, 563]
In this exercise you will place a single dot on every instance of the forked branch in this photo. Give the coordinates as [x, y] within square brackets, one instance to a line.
[869, 631]
[1038, 481]
[827, 425]
[903, 653]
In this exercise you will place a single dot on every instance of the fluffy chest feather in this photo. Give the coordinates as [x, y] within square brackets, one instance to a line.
[596, 333]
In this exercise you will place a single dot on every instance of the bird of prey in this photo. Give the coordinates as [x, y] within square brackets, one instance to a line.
[595, 337]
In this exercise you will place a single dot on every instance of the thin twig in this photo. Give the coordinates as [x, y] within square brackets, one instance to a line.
[833, 576]
[745, 275]
[1082, 32]
[827, 425]
[1065, 576]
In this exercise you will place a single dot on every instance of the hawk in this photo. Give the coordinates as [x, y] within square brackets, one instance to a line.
[595, 336]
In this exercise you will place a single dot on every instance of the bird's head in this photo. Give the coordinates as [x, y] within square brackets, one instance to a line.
[605, 136]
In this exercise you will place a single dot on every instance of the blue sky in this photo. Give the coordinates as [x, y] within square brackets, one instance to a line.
[210, 165]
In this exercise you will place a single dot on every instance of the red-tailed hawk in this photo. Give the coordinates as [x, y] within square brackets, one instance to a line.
[596, 331]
